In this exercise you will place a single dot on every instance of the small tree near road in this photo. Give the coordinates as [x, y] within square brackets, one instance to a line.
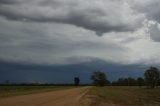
[152, 76]
[76, 81]
[99, 78]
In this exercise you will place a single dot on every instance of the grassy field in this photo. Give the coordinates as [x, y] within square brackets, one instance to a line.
[7, 91]
[127, 96]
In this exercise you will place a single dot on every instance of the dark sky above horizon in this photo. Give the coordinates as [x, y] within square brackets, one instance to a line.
[67, 38]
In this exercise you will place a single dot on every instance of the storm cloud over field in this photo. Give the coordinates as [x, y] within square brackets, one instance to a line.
[67, 32]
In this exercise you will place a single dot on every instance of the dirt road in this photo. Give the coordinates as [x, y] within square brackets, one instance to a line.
[69, 97]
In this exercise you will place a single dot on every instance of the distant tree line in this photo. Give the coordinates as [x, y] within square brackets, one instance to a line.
[129, 82]
[151, 79]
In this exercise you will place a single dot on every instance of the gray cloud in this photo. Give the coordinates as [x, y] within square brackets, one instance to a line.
[155, 32]
[46, 32]
[8, 2]
[100, 16]
[41, 43]
[148, 7]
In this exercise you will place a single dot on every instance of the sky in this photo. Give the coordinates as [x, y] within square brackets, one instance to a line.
[55, 40]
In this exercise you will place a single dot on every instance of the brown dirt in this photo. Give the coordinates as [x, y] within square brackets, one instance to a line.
[69, 97]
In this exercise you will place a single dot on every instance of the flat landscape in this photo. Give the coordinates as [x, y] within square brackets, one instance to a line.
[8, 91]
[125, 96]
[79, 96]
[68, 97]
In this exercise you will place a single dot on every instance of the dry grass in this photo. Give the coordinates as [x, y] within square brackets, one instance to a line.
[7, 91]
[126, 96]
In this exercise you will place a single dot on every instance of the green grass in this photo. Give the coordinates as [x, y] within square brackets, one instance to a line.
[7, 91]
[132, 96]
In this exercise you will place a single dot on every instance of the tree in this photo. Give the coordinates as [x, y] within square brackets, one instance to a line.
[99, 78]
[76, 81]
[152, 76]
[126, 82]
[131, 81]
[140, 81]
[7, 82]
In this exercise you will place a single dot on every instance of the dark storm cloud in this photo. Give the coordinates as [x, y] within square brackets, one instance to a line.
[99, 16]
[149, 7]
[57, 73]
[33, 31]
[42, 40]
[8, 1]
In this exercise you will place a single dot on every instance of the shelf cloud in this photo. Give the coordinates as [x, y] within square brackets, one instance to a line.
[100, 16]
[65, 31]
